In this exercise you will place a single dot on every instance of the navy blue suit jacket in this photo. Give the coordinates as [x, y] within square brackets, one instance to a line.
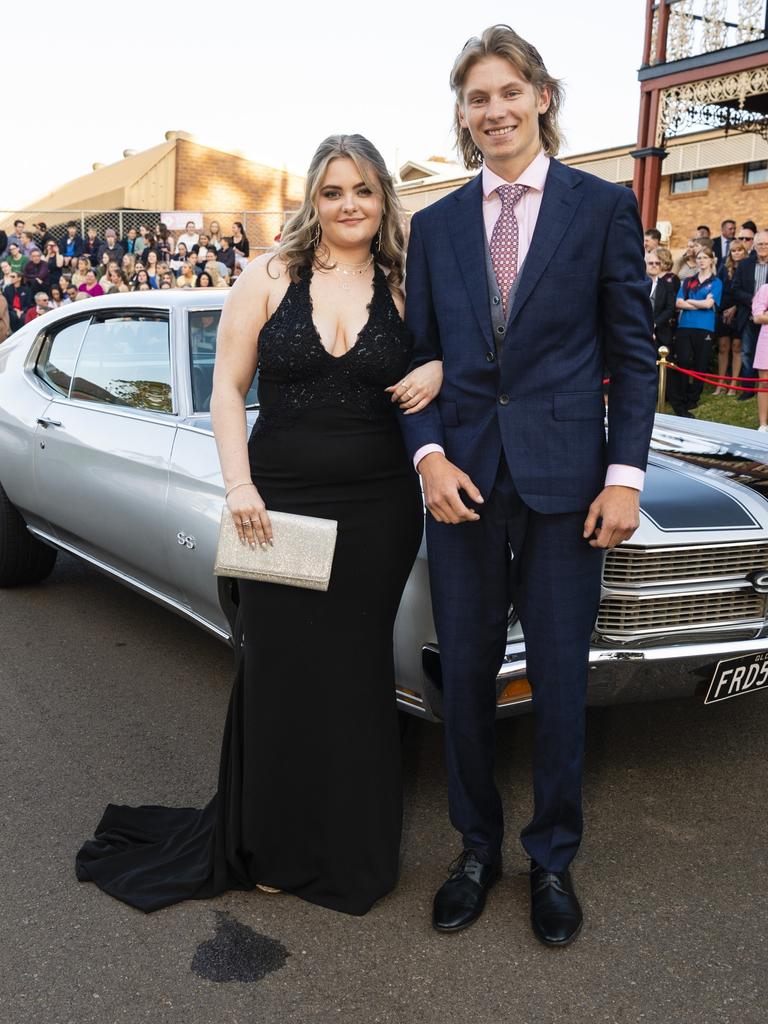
[581, 309]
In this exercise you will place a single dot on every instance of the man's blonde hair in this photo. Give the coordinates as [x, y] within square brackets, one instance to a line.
[503, 41]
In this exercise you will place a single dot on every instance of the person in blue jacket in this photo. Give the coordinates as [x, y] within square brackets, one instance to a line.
[698, 301]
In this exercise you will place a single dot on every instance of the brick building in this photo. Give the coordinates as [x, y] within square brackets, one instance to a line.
[181, 176]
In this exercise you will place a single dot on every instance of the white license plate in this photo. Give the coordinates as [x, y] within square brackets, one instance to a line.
[736, 676]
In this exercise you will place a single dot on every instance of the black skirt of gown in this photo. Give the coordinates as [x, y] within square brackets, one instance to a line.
[309, 793]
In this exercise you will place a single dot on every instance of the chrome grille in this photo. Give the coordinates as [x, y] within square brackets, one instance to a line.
[639, 567]
[626, 616]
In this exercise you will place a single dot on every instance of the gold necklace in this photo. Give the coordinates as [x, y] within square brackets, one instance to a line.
[356, 269]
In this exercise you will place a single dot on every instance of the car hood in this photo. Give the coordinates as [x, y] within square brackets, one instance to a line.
[706, 481]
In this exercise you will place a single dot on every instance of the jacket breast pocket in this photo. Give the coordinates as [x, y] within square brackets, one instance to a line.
[578, 405]
[449, 412]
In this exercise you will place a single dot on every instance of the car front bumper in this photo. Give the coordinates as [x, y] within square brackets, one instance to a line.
[617, 675]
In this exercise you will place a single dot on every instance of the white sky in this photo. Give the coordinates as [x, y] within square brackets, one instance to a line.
[285, 74]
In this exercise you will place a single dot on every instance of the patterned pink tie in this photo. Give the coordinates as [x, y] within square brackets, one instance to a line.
[505, 240]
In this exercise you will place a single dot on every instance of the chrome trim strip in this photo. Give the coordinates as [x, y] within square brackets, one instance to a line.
[195, 430]
[132, 582]
[514, 667]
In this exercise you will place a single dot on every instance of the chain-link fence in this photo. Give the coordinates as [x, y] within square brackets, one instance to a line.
[260, 226]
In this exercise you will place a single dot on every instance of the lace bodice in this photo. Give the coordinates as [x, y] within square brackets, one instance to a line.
[296, 372]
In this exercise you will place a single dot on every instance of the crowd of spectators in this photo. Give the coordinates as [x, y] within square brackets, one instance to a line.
[709, 305]
[40, 272]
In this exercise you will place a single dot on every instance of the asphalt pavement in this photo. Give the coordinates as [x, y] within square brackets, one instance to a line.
[107, 697]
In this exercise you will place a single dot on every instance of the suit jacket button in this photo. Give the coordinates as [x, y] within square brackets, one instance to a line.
[503, 399]
[500, 329]
[496, 300]
[489, 356]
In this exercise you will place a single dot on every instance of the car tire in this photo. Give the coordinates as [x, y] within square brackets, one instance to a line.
[23, 558]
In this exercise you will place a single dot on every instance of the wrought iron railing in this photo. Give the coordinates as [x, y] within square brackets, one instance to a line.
[703, 26]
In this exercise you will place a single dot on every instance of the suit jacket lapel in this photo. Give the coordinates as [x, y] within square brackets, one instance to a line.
[558, 205]
[467, 233]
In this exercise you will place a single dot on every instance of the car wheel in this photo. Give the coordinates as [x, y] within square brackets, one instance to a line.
[23, 558]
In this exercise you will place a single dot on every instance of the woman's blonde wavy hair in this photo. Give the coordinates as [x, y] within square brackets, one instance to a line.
[300, 245]
[503, 41]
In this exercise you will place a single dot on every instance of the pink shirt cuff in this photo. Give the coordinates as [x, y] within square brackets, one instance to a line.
[426, 449]
[625, 476]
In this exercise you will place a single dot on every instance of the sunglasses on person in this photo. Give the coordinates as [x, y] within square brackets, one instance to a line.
[653, 263]
[745, 238]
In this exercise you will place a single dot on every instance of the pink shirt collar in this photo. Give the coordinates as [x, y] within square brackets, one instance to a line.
[534, 176]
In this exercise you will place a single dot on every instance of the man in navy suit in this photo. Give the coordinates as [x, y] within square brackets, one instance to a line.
[528, 283]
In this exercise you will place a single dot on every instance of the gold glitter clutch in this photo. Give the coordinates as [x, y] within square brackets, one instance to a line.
[301, 554]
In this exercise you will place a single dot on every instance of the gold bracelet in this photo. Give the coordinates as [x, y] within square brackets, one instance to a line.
[245, 483]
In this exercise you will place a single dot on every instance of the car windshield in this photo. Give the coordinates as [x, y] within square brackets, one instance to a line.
[203, 325]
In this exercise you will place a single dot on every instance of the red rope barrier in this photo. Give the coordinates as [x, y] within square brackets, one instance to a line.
[704, 378]
[713, 376]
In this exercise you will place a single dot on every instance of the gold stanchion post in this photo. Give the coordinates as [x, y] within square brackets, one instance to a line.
[662, 364]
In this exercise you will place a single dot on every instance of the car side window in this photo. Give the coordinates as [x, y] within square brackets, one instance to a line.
[56, 361]
[125, 360]
[203, 326]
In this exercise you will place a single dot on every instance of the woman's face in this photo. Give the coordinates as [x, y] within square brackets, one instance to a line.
[55, 295]
[653, 264]
[204, 282]
[182, 249]
[82, 266]
[90, 279]
[704, 261]
[349, 212]
[142, 277]
[215, 227]
[5, 267]
[152, 259]
[737, 252]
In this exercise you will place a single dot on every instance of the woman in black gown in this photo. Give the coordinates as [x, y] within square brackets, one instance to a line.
[309, 794]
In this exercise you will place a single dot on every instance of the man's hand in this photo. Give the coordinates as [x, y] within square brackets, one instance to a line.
[442, 483]
[618, 508]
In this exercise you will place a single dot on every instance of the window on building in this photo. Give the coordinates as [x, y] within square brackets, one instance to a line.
[756, 173]
[691, 181]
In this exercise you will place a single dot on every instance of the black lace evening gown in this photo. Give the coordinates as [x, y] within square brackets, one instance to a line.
[309, 794]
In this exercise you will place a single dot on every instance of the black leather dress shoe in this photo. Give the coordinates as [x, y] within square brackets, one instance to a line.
[461, 899]
[556, 916]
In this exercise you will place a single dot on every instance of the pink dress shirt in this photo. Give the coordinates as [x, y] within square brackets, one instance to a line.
[527, 213]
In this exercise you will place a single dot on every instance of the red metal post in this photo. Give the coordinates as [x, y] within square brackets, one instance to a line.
[649, 9]
[661, 36]
[649, 204]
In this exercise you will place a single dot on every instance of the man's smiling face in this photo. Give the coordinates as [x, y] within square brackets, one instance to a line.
[501, 111]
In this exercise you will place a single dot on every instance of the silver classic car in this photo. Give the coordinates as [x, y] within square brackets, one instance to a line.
[107, 452]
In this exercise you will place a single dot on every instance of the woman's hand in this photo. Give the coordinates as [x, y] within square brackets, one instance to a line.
[250, 515]
[419, 387]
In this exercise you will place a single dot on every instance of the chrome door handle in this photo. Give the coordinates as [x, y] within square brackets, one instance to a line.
[45, 422]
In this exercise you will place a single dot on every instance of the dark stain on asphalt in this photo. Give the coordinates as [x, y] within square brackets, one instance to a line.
[237, 953]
